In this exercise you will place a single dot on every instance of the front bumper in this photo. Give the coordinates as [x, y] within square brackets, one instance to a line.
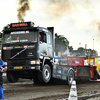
[23, 65]
[34, 67]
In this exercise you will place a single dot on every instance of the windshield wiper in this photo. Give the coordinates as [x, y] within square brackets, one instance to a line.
[18, 53]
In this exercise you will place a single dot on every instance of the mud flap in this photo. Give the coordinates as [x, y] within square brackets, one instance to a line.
[95, 73]
[83, 72]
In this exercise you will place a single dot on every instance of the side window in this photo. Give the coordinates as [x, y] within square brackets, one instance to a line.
[43, 37]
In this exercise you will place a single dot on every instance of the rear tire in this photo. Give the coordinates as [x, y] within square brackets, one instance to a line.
[45, 75]
[70, 77]
[12, 77]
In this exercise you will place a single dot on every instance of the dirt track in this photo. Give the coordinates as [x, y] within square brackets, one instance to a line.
[26, 90]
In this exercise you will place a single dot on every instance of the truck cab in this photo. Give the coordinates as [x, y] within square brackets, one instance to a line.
[26, 56]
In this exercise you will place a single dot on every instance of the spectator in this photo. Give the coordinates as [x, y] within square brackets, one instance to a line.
[3, 69]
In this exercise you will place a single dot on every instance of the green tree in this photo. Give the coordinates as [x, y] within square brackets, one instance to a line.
[61, 43]
[81, 51]
[70, 48]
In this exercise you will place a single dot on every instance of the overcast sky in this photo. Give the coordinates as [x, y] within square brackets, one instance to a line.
[77, 20]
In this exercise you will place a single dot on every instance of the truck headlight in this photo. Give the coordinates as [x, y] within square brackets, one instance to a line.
[32, 62]
[35, 62]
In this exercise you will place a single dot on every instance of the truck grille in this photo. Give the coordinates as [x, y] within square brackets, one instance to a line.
[21, 55]
[17, 63]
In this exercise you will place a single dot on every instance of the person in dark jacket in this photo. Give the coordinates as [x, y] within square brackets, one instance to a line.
[3, 69]
[40, 38]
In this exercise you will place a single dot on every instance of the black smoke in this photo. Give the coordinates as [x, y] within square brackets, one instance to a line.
[23, 6]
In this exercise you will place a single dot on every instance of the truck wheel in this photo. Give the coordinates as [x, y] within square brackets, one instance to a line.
[70, 77]
[45, 75]
[11, 77]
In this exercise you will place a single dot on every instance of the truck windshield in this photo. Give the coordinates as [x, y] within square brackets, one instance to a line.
[20, 36]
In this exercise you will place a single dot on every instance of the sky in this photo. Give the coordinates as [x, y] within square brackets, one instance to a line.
[77, 20]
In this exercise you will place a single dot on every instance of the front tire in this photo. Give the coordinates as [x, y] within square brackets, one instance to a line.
[12, 77]
[45, 75]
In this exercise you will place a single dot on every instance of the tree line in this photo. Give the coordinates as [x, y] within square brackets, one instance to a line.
[61, 44]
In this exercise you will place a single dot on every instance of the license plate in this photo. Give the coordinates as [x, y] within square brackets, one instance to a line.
[18, 67]
[18, 47]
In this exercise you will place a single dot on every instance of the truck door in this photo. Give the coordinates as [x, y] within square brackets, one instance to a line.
[49, 45]
[43, 44]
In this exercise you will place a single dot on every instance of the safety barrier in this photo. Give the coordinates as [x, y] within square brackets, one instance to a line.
[73, 92]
